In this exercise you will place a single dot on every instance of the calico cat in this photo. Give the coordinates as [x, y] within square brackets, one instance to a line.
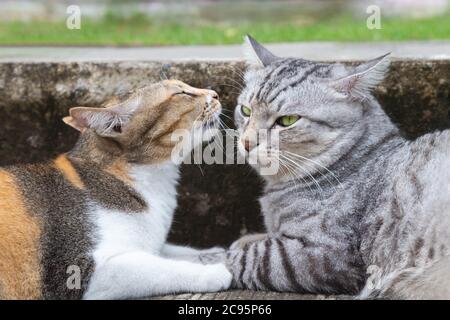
[104, 209]
[354, 208]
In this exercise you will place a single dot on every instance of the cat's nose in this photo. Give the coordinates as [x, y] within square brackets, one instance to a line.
[213, 94]
[248, 145]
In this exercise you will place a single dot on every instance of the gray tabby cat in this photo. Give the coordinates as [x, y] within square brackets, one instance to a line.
[354, 208]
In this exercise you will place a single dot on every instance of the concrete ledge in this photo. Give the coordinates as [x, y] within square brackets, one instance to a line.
[324, 51]
[218, 203]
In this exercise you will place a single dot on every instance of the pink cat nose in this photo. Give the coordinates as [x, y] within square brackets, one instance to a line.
[214, 94]
[248, 146]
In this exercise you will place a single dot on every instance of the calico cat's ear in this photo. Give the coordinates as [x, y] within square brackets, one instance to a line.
[256, 54]
[363, 78]
[107, 122]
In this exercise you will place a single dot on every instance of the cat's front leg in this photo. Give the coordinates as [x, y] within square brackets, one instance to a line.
[249, 238]
[192, 254]
[218, 255]
[294, 264]
[139, 274]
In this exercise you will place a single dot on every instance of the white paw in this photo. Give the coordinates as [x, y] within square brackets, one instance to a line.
[216, 278]
[212, 256]
[213, 250]
[248, 239]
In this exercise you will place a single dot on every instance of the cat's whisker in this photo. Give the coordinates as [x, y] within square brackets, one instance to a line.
[239, 84]
[229, 111]
[192, 130]
[234, 91]
[310, 176]
[316, 163]
[225, 128]
[201, 171]
[298, 166]
[238, 72]
[222, 122]
[283, 168]
[216, 125]
[292, 172]
[314, 168]
[161, 74]
[232, 86]
[228, 117]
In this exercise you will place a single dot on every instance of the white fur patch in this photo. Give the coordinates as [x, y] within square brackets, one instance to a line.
[128, 255]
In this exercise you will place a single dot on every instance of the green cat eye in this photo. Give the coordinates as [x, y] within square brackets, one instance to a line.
[287, 121]
[246, 111]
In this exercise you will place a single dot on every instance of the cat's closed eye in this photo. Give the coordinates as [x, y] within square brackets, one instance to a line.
[186, 93]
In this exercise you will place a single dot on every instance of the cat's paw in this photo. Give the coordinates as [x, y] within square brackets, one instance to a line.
[247, 239]
[216, 278]
[213, 250]
[212, 255]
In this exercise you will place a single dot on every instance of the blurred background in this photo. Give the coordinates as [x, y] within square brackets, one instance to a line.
[137, 23]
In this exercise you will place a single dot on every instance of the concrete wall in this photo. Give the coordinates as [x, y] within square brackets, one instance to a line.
[217, 203]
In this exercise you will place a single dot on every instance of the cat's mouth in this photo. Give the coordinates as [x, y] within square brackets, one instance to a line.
[211, 112]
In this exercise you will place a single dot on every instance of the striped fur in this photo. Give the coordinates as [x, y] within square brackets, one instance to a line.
[357, 198]
[105, 208]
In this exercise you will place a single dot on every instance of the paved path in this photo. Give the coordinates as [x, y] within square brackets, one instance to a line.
[430, 50]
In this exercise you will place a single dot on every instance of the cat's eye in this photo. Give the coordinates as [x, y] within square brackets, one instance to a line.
[246, 111]
[186, 93]
[286, 121]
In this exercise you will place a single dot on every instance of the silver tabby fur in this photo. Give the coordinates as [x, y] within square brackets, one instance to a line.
[377, 220]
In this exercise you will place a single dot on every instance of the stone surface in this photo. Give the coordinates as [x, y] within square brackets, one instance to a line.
[251, 295]
[217, 203]
[429, 50]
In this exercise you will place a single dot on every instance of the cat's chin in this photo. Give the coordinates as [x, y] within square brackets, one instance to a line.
[265, 166]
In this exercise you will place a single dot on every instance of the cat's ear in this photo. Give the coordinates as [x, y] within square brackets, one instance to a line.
[103, 121]
[256, 54]
[363, 78]
[106, 122]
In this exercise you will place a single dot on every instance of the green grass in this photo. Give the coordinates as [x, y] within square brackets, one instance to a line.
[140, 30]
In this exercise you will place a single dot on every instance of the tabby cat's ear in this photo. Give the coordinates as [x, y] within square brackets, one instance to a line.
[107, 122]
[256, 54]
[363, 78]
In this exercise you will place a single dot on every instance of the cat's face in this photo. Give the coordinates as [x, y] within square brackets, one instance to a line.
[305, 107]
[143, 123]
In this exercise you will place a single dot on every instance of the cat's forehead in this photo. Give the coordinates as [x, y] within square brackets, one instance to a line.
[275, 80]
[289, 67]
[153, 95]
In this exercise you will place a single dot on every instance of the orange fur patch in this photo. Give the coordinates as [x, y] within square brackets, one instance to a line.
[119, 170]
[19, 245]
[66, 168]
